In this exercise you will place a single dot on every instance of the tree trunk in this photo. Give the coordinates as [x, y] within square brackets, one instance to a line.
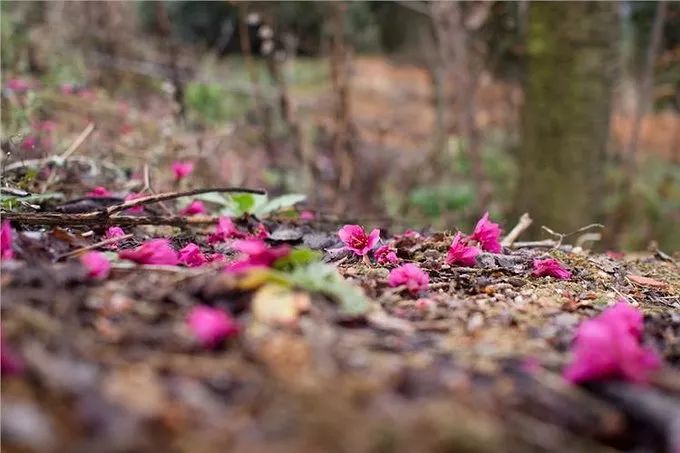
[565, 119]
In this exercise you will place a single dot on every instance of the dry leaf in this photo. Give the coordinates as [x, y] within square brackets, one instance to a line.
[276, 304]
[646, 281]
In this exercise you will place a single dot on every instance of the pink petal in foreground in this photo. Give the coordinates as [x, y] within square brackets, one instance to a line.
[154, 251]
[192, 256]
[410, 275]
[460, 253]
[608, 347]
[355, 239]
[97, 264]
[487, 234]
[225, 230]
[6, 251]
[210, 326]
[550, 267]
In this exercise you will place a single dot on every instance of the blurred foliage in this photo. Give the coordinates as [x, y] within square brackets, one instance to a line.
[211, 103]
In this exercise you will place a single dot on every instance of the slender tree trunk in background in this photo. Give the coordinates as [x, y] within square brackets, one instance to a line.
[565, 117]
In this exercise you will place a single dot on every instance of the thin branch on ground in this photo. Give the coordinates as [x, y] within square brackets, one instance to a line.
[96, 245]
[524, 222]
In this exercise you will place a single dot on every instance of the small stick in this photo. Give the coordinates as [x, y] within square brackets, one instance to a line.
[78, 141]
[524, 222]
[101, 220]
[80, 250]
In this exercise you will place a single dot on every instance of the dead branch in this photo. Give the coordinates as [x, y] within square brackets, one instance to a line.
[524, 222]
[103, 243]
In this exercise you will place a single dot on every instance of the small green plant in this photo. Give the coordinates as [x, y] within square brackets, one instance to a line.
[237, 205]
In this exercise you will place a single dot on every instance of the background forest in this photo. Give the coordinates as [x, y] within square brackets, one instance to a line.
[398, 114]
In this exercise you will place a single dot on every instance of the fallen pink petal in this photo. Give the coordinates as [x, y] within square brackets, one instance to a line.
[386, 255]
[487, 234]
[99, 192]
[18, 85]
[97, 265]
[355, 239]
[414, 278]
[225, 230]
[6, 240]
[192, 256]
[210, 326]
[255, 254]
[11, 363]
[608, 347]
[182, 169]
[135, 209]
[194, 208]
[460, 253]
[550, 267]
[153, 251]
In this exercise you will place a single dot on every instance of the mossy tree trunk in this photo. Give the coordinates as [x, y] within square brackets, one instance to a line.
[565, 119]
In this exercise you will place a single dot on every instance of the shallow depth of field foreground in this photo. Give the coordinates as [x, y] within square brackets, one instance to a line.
[301, 227]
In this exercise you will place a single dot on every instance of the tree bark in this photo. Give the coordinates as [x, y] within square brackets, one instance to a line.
[565, 120]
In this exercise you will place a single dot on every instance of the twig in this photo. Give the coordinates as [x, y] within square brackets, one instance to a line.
[561, 236]
[78, 141]
[524, 222]
[100, 219]
[94, 246]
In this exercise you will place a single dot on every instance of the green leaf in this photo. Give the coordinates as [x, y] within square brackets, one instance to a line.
[213, 197]
[297, 257]
[284, 201]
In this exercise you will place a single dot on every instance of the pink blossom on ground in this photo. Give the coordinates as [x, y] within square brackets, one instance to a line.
[608, 347]
[99, 191]
[210, 326]
[261, 231]
[307, 215]
[460, 253]
[153, 251]
[225, 230]
[18, 85]
[386, 255]
[182, 169]
[415, 279]
[550, 267]
[487, 234]
[114, 232]
[136, 209]
[216, 258]
[355, 239]
[618, 256]
[97, 264]
[256, 254]
[192, 256]
[29, 143]
[10, 362]
[6, 252]
[194, 208]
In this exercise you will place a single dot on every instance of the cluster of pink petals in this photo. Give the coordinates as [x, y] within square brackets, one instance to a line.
[224, 231]
[410, 275]
[256, 254]
[487, 234]
[99, 191]
[6, 251]
[136, 209]
[386, 255]
[211, 326]
[461, 253]
[194, 208]
[182, 169]
[97, 265]
[192, 256]
[10, 362]
[608, 347]
[551, 268]
[355, 239]
[153, 251]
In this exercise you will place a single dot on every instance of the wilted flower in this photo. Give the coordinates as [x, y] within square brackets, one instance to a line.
[194, 208]
[550, 267]
[355, 239]
[154, 251]
[99, 191]
[192, 256]
[182, 169]
[487, 234]
[225, 230]
[386, 255]
[608, 347]
[460, 253]
[97, 264]
[211, 326]
[256, 254]
[136, 209]
[6, 252]
[415, 279]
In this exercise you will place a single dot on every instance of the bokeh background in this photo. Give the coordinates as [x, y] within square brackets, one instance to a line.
[395, 114]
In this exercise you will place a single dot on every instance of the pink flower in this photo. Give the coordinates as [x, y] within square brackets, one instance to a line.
[17, 85]
[412, 276]
[191, 256]
[10, 362]
[307, 215]
[261, 231]
[194, 208]
[99, 191]
[182, 169]
[386, 255]
[114, 232]
[6, 252]
[29, 143]
[487, 234]
[225, 230]
[136, 209]
[257, 254]
[97, 265]
[550, 267]
[356, 239]
[211, 326]
[153, 251]
[608, 347]
[459, 253]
